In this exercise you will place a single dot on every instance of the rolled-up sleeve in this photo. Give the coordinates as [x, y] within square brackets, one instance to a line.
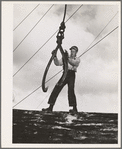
[74, 62]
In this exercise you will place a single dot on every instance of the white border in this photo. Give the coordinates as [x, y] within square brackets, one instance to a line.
[7, 73]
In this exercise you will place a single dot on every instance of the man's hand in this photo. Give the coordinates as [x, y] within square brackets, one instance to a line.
[54, 52]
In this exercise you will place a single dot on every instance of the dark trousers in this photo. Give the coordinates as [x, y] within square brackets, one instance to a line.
[70, 81]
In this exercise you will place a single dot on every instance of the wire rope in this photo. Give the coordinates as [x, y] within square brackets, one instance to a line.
[42, 101]
[92, 47]
[102, 30]
[42, 46]
[98, 41]
[25, 18]
[32, 29]
[61, 70]
[36, 89]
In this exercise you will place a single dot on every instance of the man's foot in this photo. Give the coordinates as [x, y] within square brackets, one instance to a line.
[74, 110]
[47, 110]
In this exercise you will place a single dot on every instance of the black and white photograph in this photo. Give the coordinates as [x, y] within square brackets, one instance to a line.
[64, 72]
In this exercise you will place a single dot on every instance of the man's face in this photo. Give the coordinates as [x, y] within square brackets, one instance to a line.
[73, 53]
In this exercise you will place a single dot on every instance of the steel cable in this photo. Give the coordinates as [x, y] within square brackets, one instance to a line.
[61, 70]
[43, 45]
[25, 18]
[32, 29]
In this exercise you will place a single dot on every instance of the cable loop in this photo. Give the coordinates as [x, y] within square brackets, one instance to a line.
[60, 37]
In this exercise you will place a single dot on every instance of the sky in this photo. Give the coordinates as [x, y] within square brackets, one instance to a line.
[97, 77]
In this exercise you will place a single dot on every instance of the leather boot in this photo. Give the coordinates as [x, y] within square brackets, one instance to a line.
[49, 109]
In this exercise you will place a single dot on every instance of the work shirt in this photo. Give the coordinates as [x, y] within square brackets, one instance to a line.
[73, 63]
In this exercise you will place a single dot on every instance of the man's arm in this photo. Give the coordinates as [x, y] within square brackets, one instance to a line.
[74, 62]
[58, 62]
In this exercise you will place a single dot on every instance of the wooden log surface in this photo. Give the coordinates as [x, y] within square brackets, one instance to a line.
[64, 127]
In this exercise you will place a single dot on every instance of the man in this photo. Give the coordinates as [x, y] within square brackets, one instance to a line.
[73, 63]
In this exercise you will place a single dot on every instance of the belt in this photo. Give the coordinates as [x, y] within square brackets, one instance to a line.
[71, 70]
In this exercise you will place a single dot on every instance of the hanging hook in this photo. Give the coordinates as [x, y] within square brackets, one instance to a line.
[60, 37]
